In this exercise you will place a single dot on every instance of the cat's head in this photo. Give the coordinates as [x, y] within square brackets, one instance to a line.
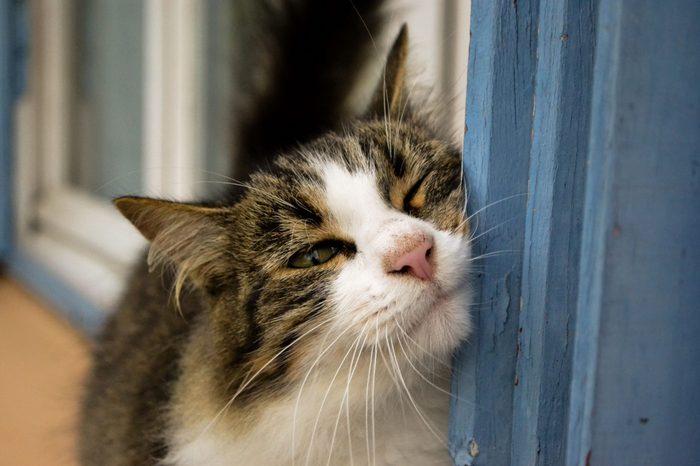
[359, 237]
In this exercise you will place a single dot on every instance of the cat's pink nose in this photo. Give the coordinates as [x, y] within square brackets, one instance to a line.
[415, 259]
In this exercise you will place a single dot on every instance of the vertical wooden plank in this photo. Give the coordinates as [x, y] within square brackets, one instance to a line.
[499, 118]
[592, 240]
[635, 397]
[565, 46]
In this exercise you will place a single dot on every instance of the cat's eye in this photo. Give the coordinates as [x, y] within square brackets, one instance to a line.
[413, 202]
[317, 255]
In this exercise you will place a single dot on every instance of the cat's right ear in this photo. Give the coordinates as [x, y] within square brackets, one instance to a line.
[190, 237]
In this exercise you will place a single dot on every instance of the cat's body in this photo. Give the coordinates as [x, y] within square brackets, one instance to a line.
[318, 308]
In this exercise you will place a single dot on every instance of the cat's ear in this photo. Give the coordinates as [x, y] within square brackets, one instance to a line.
[390, 89]
[190, 237]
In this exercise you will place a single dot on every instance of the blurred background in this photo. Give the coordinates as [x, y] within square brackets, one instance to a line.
[101, 98]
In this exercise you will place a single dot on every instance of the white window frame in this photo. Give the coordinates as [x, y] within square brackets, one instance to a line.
[79, 236]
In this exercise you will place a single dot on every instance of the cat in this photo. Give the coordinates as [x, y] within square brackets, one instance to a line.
[309, 316]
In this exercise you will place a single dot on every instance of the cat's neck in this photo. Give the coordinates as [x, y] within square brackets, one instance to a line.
[373, 402]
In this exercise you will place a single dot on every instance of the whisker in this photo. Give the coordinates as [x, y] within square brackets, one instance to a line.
[492, 204]
[495, 203]
[303, 383]
[420, 414]
[392, 373]
[245, 384]
[325, 397]
[503, 252]
[428, 353]
[367, 437]
[374, 379]
[418, 359]
[389, 371]
[505, 222]
[345, 399]
[265, 194]
[429, 382]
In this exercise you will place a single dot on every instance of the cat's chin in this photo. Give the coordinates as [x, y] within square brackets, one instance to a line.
[444, 324]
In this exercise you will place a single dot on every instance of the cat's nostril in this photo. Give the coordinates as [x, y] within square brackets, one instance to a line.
[415, 261]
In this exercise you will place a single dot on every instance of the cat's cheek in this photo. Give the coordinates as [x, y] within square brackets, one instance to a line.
[356, 295]
[452, 261]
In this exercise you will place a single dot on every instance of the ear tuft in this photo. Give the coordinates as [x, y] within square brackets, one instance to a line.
[389, 90]
[190, 237]
[142, 212]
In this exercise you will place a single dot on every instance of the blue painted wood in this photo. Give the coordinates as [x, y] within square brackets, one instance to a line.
[83, 314]
[565, 49]
[635, 397]
[497, 146]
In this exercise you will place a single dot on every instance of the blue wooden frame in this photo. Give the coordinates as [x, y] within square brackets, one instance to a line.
[496, 159]
[635, 397]
[583, 150]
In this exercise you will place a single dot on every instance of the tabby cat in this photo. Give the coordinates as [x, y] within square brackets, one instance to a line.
[309, 316]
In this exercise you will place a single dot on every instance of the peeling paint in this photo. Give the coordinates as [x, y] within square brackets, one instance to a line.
[473, 448]
[503, 304]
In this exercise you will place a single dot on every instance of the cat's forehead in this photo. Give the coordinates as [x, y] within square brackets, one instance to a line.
[370, 165]
[351, 196]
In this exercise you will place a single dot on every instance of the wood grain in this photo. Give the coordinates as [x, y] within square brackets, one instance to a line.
[635, 397]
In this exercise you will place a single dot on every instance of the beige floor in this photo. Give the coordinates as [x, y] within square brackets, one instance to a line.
[42, 363]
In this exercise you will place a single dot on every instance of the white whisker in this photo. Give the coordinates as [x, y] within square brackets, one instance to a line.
[246, 383]
[354, 361]
[503, 252]
[420, 414]
[374, 379]
[303, 383]
[325, 397]
[425, 379]
[367, 429]
[474, 238]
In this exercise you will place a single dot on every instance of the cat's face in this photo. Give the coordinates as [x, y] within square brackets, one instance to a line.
[349, 240]
[366, 236]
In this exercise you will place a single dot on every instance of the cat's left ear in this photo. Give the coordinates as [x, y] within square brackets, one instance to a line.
[390, 90]
[190, 237]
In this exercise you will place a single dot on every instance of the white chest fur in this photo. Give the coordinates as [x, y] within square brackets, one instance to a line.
[375, 425]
